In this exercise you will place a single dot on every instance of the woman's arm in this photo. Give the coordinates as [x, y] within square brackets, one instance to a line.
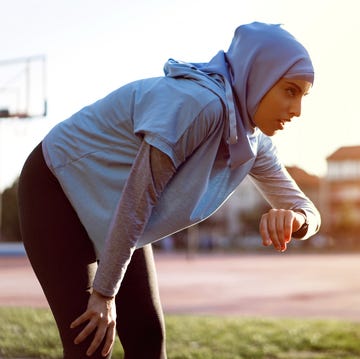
[149, 175]
[293, 213]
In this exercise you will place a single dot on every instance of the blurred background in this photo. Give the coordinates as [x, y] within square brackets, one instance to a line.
[57, 57]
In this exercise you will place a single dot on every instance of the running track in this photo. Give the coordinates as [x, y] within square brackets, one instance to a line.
[281, 285]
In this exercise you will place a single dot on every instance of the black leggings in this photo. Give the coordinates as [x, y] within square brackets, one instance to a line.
[64, 261]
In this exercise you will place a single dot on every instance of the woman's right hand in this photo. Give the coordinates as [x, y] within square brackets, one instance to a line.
[101, 316]
[277, 226]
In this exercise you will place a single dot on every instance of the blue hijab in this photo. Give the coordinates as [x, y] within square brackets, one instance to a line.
[258, 57]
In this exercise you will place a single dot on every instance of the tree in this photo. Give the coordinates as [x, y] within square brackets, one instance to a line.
[10, 228]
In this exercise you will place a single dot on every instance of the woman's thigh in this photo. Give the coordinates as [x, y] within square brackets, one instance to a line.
[58, 248]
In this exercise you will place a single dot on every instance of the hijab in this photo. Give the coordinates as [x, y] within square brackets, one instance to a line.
[258, 57]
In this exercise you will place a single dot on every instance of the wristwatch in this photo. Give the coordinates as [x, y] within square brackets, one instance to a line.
[301, 232]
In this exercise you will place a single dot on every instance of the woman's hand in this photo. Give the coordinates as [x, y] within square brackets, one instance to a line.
[277, 226]
[101, 316]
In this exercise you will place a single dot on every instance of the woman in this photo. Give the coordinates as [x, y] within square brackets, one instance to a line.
[154, 157]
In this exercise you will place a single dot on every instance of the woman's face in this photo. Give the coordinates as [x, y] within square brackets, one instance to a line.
[280, 104]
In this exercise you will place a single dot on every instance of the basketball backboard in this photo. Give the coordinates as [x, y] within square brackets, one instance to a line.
[23, 87]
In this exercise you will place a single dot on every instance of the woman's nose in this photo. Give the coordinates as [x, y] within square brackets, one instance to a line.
[295, 109]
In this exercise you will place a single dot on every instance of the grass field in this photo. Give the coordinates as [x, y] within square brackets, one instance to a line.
[31, 333]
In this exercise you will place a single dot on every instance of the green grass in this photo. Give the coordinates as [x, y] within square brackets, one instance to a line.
[31, 333]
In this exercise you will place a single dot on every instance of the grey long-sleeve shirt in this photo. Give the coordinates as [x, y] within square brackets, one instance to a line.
[150, 173]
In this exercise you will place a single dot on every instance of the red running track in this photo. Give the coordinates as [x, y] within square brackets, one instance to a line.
[280, 285]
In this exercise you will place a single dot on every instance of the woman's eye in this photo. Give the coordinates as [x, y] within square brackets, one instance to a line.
[291, 91]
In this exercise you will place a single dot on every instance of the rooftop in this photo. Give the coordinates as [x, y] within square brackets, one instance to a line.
[301, 177]
[345, 153]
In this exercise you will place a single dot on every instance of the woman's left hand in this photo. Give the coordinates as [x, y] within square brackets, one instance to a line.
[101, 317]
[277, 226]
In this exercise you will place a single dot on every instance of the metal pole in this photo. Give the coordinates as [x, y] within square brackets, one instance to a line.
[27, 87]
[0, 214]
[0, 183]
[192, 240]
[44, 86]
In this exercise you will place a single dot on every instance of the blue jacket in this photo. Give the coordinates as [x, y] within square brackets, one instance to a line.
[184, 114]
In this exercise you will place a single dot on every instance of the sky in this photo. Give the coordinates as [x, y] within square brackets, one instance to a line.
[93, 47]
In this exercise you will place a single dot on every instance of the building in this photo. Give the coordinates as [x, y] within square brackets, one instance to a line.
[341, 193]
